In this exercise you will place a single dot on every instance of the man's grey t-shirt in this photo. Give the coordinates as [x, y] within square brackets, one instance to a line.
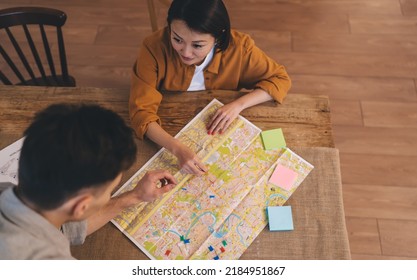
[24, 234]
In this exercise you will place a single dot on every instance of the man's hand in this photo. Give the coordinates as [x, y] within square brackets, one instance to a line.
[153, 185]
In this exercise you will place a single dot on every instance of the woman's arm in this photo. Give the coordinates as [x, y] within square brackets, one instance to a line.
[188, 160]
[225, 115]
[256, 71]
[145, 99]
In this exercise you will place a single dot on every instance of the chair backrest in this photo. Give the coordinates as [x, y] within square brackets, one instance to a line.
[153, 15]
[26, 37]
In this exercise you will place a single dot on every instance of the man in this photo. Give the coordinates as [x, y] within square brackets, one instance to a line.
[72, 158]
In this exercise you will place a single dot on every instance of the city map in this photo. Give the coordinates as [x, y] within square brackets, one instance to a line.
[219, 214]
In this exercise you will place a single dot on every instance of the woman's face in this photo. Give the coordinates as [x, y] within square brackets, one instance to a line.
[191, 46]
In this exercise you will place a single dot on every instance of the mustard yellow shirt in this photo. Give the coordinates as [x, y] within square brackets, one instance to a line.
[158, 68]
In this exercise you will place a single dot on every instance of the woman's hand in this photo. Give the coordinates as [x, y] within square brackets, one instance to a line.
[223, 118]
[188, 160]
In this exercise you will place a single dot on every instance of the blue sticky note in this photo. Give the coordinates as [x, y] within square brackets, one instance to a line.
[280, 218]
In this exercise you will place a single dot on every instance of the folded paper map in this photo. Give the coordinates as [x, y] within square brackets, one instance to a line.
[219, 214]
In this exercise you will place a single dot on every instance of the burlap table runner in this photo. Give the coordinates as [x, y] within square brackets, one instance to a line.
[318, 215]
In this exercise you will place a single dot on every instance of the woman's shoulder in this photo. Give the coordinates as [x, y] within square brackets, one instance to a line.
[241, 39]
[159, 38]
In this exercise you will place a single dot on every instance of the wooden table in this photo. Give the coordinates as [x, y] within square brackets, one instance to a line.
[305, 120]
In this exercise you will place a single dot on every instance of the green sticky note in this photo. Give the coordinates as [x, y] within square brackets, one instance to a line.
[273, 139]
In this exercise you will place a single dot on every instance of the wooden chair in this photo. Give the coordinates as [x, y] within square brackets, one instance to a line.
[153, 12]
[27, 47]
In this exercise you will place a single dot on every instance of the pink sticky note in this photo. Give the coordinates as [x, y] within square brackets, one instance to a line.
[283, 177]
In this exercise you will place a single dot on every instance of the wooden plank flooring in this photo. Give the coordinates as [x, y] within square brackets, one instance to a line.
[362, 54]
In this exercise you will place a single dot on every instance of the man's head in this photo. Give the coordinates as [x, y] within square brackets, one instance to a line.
[71, 149]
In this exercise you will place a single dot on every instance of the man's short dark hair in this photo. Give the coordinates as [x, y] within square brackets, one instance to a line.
[204, 16]
[71, 147]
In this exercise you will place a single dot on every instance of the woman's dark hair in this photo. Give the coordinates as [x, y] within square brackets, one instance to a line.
[204, 16]
[71, 147]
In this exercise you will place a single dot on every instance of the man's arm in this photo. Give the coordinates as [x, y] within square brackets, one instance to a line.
[145, 190]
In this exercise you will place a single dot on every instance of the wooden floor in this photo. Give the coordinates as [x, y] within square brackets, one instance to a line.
[362, 54]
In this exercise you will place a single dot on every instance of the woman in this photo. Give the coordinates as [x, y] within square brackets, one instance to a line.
[199, 51]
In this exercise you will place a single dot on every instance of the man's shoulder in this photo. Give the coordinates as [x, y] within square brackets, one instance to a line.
[15, 242]
[12, 242]
[5, 185]
[19, 244]
[25, 234]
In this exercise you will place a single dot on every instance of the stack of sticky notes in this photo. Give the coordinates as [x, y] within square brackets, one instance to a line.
[283, 177]
[273, 139]
[280, 218]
